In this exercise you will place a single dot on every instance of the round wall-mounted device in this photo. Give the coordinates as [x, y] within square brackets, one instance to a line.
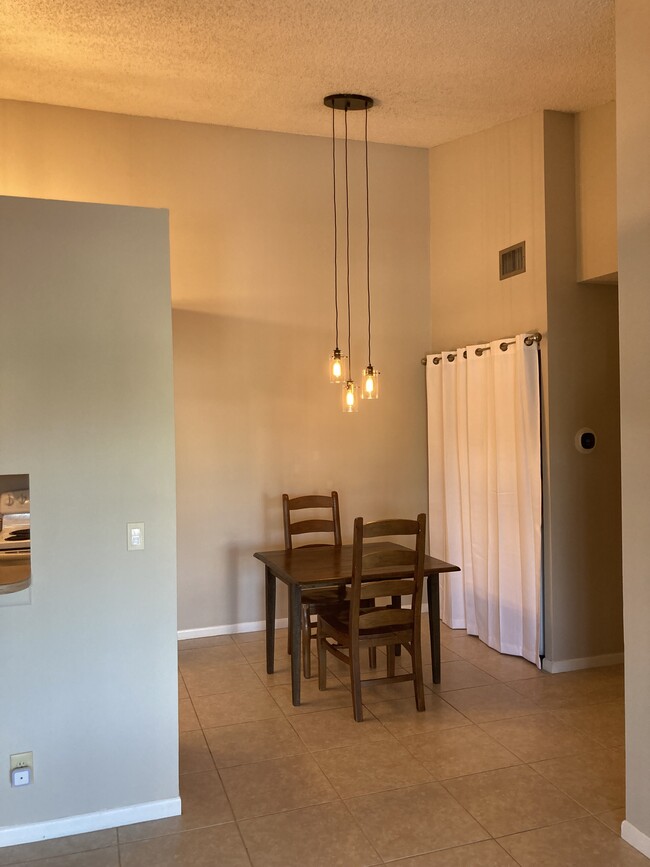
[585, 440]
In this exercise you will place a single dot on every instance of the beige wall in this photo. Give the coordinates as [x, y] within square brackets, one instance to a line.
[252, 290]
[633, 135]
[595, 155]
[86, 409]
[488, 191]
[582, 529]
[486, 194]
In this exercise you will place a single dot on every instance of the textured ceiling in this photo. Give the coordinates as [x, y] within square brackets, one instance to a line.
[439, 69]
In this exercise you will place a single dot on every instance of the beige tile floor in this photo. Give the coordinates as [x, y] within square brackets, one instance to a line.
[507, 766]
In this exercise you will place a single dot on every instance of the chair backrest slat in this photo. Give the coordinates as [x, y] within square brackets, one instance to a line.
[394, 557]
[330, 525]
[313, 525]
[393, 617]
[391, 527]
[312, 501]
[389, 587]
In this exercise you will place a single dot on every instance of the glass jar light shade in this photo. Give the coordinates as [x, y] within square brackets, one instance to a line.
[370, 383]
[337, 367]
[350, 394]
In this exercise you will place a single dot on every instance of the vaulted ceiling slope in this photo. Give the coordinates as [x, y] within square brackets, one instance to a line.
[439, 69]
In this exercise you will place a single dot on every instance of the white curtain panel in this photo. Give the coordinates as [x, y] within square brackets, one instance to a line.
[485, 495]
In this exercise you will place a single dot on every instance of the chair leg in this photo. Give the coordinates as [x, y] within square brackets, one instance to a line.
[372, 651]
[418, 681]
[322, 660]
[390, 665]
[306, 641]
[355, 682]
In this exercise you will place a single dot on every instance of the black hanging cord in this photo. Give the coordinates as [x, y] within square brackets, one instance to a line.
[368, 236]
[336, 267]
[347, 242]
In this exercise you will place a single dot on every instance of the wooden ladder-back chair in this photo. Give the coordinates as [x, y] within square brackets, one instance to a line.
[313, 601]
[345, 631]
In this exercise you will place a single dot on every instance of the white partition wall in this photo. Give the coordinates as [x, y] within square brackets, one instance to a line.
[88, 673]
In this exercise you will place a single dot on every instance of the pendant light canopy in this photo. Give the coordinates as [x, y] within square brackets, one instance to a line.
[340, 365]
[349, 101]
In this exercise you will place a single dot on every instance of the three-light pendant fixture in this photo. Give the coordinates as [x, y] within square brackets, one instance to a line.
[340, 366]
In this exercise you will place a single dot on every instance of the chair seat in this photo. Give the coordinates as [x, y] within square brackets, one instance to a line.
[336, 622]
[321, 598]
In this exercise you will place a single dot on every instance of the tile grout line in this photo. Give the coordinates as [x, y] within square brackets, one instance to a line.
[560, 789]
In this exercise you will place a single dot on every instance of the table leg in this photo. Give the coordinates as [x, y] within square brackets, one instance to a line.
[433, 596]
[294, 619]
[270, 619]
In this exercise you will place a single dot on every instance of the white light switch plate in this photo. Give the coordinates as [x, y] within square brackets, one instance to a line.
[135, 537]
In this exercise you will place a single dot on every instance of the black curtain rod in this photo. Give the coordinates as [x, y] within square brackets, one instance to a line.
[533, 337]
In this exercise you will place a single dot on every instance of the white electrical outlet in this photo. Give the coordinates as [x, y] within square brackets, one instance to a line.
[21, 769]
[135, 537]
[21, 777]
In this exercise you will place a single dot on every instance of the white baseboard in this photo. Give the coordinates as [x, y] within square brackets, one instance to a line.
[560, 665]
[86, 822]
[236, 628]
[229, 629]
[635, 838]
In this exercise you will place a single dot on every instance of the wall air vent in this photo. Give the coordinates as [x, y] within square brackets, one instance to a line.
[512, 260]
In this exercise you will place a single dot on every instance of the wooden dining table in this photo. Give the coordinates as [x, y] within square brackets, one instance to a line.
[328, 566]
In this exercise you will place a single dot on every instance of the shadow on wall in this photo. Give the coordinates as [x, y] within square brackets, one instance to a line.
[256, 416]
[250, 423]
